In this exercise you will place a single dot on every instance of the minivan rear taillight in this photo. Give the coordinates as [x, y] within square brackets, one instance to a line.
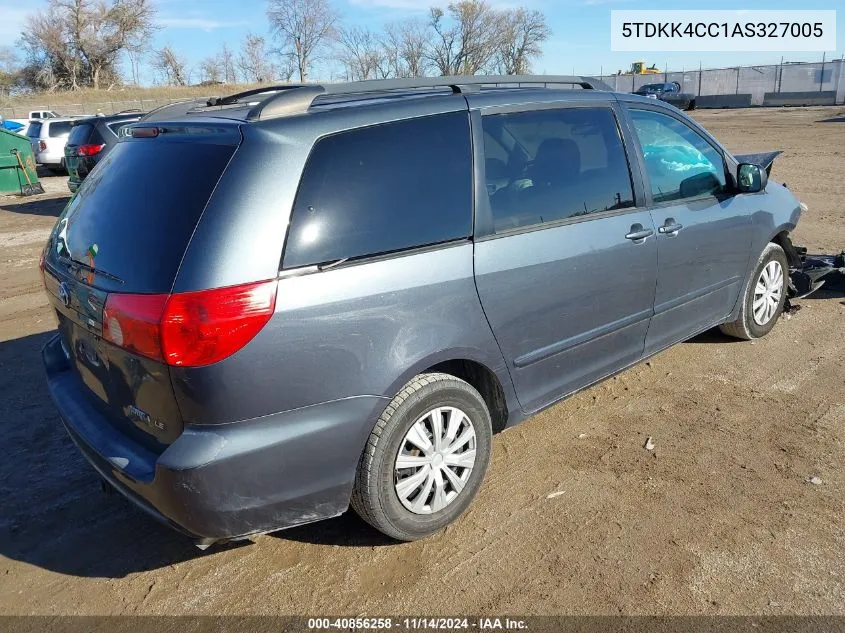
[189, 329]
[133, 322]
[89, 150]
[42, 145]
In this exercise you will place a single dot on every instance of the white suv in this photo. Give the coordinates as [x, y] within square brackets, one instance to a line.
[48, 138]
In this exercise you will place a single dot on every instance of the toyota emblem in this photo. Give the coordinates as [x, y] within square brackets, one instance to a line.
[64, 294]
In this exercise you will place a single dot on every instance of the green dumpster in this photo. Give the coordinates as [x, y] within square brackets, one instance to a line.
[12, 178]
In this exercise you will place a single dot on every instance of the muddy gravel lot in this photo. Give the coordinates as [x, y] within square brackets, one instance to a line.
[575, 517]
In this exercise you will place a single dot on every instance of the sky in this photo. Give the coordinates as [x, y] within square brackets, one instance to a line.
[580, 42]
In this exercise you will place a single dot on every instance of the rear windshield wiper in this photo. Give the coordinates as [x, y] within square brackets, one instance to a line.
[97, 271]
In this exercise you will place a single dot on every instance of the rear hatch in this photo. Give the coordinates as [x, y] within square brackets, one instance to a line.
[84, 142]
[34, 134]
[123, 235]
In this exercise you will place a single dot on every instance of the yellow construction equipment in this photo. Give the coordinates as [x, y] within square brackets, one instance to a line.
[639, 68]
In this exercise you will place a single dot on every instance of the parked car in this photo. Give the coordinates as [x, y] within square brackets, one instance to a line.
[277, 304]
[90, 140]
[43, 114]
[12, 126]
[48, 138]
[670, 93]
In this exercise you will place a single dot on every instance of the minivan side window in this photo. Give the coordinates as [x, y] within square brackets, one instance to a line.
[562, 163]
[383, 189]
[680, 164]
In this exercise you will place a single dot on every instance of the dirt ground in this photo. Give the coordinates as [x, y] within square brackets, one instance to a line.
[575, 517]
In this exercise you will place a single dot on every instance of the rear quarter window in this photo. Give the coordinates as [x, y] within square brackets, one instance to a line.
[117, 127]
[383, 189]
[59, 128]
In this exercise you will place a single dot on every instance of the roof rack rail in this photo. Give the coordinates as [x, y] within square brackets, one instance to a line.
[178, 108]
[234, 98]
[288, 99]
[297, 98]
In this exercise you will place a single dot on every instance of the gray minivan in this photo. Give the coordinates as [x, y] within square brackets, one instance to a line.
[279, 303]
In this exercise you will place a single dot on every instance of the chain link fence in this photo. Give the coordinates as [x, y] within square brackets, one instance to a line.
[89, 108]
[826, 77]
[757, 83]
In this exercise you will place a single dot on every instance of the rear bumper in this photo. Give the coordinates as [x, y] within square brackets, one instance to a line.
[78, 169]
[228, 481]
[50, 158]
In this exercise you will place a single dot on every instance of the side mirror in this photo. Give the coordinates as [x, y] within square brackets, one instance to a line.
[751, 178]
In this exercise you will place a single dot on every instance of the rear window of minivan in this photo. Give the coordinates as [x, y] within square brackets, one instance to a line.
[141, 206]
[383, 189]
[79, 134]
[34, 130]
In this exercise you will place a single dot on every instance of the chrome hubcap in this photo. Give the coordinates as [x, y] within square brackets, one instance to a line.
[767, 293]
[435, 460]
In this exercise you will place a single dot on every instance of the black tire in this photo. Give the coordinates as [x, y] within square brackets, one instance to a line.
[745, 327]
[374, 495]
[691, 105]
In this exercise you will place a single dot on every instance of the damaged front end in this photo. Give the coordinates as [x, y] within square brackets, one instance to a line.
[809, 272]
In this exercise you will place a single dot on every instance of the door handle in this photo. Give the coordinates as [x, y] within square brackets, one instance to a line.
[638, 234]
[670, 228]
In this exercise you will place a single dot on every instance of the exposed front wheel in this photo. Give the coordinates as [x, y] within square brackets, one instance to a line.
[426, 458]
[765, 296]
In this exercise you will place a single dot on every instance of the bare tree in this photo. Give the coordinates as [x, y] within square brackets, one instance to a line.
[286, 67]
[390, 63]
[254, 60]
[523, 33]
[211, 70]
[303, 27]
[106, 31]
[360, 53]
[171, 67]
[51, 63]
[82, 40]
[227, 65]
[9, 69]
[136, 57]
[404, 47]
[465, 41]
